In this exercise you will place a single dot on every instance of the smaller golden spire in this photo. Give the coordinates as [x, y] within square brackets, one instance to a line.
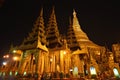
[41, 12]
[74, 13]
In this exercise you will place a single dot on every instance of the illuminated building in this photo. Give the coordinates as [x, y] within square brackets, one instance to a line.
[116, 51]
[46, 51]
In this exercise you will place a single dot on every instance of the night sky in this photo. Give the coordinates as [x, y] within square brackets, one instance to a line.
[99, 19]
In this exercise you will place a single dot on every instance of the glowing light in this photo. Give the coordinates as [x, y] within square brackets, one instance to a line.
[16, 73]
[14, 51]
[64, 52]
[25, 73]
[71, 70]
[17, 51]
[15, 58]
[6, 56]
[4, 63]
[10, 73]
[116, 73]
[51, 60]
[92, 70]
[98, 53]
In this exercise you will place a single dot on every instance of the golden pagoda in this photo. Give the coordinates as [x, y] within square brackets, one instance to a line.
[46, 52]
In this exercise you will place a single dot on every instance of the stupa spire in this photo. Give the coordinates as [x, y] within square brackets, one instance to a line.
[80, 35]
[74, 13]
[41, 12]
[77, 39]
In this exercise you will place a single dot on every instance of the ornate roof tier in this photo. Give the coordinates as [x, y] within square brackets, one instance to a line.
[52, 32]
[36, 38]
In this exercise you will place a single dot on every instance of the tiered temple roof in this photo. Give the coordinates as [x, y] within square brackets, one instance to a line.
[52, 32]
[36, 38]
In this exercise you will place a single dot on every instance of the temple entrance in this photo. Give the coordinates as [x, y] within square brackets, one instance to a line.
[93, 72]
[75, 72]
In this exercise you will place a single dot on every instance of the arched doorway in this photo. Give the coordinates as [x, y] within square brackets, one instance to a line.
[75, 72]
[93, 72]
[116, 73]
